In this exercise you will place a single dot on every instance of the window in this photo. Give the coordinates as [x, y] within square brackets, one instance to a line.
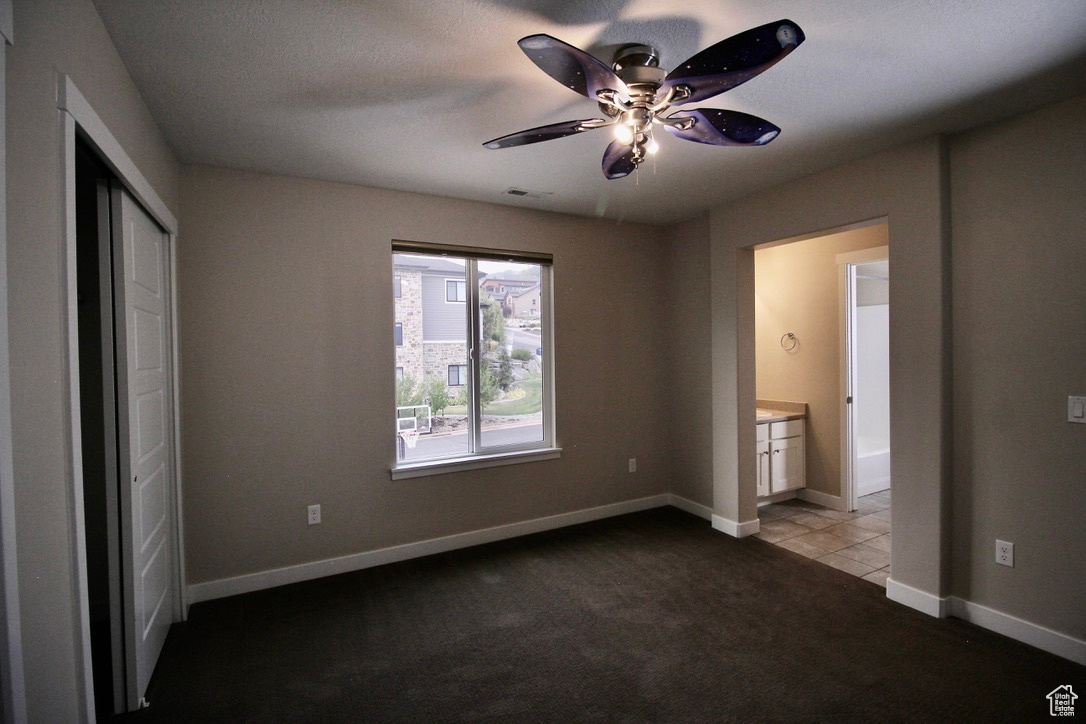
[456, 291]
[458, 375]
[399, 373]
[468, 373]
[397, 287]
[397, 334]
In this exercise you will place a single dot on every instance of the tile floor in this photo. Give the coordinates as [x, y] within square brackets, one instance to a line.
[856, 543]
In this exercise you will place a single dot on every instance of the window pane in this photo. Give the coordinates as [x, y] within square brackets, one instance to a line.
[512, 384]
[431, 414]
[456, 291]
[397, 290]
[397, 334]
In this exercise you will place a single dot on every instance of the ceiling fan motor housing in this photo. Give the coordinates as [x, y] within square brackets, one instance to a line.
[638, 67]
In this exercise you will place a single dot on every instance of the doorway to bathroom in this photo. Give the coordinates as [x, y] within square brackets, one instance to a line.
[804, 372]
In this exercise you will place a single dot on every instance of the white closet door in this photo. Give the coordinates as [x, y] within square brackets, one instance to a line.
[144, 412]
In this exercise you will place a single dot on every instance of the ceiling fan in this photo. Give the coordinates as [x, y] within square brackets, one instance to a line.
[634, 93]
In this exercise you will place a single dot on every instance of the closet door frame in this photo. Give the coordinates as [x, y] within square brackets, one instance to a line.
[79, 117]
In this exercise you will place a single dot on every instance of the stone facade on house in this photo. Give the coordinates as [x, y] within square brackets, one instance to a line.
[416, 356]
[408, 314]
[439, 356]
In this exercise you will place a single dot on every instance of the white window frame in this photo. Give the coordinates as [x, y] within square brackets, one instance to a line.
[480, 455]
[461, 377]
[457, 282]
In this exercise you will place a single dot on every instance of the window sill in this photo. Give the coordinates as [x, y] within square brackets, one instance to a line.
[475, 462]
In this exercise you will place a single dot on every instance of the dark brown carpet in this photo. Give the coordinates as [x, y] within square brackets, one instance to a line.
[645, 617]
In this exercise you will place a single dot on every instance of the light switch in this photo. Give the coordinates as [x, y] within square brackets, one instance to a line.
[1076, 409]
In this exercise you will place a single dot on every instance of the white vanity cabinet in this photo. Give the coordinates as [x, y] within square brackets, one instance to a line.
[763, 458]
[780, 456]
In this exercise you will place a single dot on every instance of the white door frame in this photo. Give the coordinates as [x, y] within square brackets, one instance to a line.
[844, 306]
[78, 113]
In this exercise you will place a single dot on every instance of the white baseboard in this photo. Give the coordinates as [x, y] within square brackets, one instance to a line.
[915, 598]
[1010, 626]
[1020, 630]
[733, 528]
[318, 569]
[834, 502]
[702, 511]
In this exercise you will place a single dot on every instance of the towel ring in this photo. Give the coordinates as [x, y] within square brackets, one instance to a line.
[789, 342]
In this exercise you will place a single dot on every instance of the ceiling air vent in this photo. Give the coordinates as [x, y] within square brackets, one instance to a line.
[528, 194]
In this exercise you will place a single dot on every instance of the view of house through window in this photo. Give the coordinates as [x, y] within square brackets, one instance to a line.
[450, 402]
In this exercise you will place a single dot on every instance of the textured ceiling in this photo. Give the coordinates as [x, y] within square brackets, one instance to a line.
[401, 94]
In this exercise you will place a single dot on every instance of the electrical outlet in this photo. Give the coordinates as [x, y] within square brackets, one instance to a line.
[314, 514]
[1005, 553]
[633, 465]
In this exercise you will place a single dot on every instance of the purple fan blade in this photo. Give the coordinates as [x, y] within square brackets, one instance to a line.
[535, 135]
[734, 61]
[618, 160]
[572, 67]
[724, 128]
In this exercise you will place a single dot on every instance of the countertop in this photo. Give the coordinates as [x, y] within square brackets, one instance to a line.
[780, 410]
[765, 415]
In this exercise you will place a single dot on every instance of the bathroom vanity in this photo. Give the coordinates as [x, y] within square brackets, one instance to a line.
[780, 448]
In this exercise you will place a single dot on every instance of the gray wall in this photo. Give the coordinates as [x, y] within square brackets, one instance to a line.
[1018, 307]
[286, 370]
[1019, 278]
[906, 185]
[66, 37]
[689, 369]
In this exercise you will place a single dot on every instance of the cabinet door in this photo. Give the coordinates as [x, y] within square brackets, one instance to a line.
[786, 464]
[763, 468]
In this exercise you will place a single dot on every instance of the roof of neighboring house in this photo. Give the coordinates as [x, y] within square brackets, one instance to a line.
[526, 290]
[426, 263]
[510, 282]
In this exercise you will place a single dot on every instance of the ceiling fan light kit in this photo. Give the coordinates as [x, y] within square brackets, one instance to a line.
[634, 93]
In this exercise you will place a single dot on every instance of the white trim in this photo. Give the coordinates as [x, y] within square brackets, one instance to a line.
[915, 598]
[846, 365]
[1019, 629]
[689, 506]
[74, 442]
[460, 280]
[175, 382]
[735, 530]
[475, 462]
[112, 153]
[358, 561]
[834, 502]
